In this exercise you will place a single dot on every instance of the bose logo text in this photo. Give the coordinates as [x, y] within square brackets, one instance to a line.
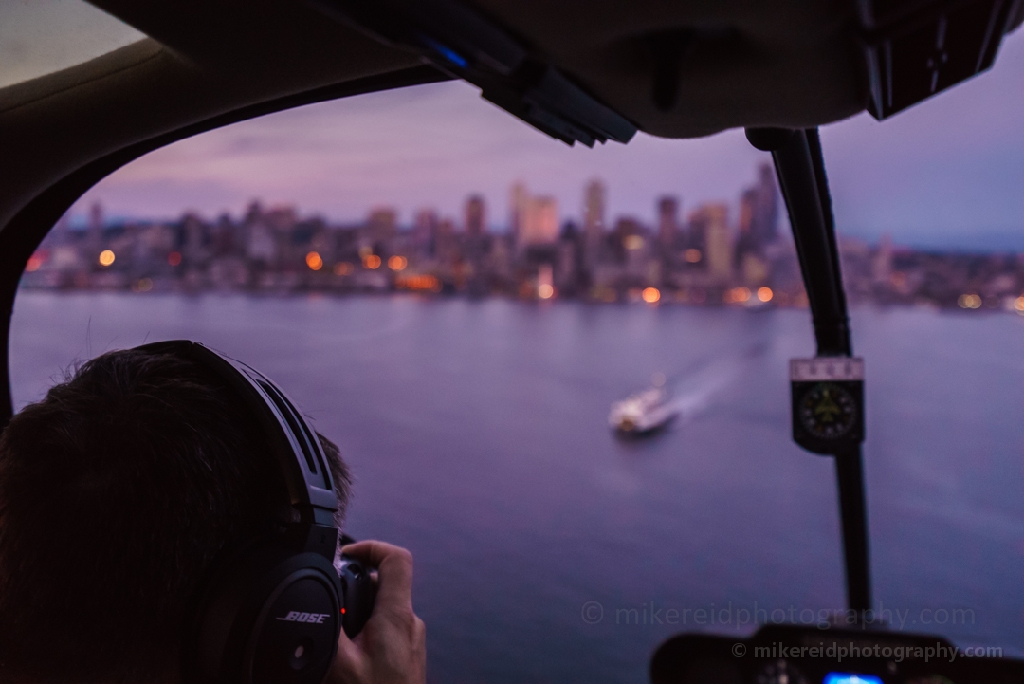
[296, 616]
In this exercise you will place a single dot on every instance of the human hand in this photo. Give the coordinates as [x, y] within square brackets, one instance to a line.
[392, 646]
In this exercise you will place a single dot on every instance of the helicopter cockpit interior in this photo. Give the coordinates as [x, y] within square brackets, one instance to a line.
[584, 73]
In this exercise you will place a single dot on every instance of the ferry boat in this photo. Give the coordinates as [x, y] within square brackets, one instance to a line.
[644, 412]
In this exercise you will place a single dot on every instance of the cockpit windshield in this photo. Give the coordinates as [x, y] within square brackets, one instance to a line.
[560, 374]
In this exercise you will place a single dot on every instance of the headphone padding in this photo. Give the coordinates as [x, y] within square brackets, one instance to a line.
[238, 636]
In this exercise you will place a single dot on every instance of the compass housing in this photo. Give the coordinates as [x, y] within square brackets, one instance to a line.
[828, 403]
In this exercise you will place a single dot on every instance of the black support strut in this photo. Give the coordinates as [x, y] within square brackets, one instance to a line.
[801, 171]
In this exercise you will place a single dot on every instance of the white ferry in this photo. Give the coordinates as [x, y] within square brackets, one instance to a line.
[643, 412]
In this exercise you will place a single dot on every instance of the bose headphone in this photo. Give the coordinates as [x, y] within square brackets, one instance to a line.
[271, 611]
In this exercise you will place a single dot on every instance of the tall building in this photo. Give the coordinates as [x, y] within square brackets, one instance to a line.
[594, 199]
[539, 224]
[632, 246]
[594, 205]
[696, 232]
[747, 242]
[748, 255]
[765, 220]
[534, 219]
[668, 220]
[282, 217]
[381, 224]
[709, 236]
[196, 239]
[260, 240]
[518, 198]
[475, 215]
[424, 231]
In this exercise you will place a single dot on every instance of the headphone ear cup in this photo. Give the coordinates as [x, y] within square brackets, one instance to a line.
[269, 617]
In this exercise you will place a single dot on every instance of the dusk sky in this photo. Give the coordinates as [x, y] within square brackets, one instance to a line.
[949, 172]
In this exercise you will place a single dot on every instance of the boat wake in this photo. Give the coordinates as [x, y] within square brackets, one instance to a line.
[651, 410]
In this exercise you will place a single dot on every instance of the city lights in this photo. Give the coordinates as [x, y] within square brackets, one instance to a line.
[36, 261]
[421, 282]
[736, 295]
[712, 256]
[633, 242]
[969, 301]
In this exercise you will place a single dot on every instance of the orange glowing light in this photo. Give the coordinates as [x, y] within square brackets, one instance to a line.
[545, 291]
[1018, 304]
[174, 258]
[397, 263]
[651, 295]
[371, 261]
[736, 295]
[36, 261]
[969, 301]
[314, 261]
[765, 294]
[692, 256]
[107, 257]
[343, 268]
[418, 282]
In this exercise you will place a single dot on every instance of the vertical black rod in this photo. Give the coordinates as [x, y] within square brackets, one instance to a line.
[849, 465]
[800, 166]
[854, 519]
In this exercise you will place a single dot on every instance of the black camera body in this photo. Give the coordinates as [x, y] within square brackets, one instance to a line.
[358, 594]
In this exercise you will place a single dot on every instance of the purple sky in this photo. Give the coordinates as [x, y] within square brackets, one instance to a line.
[948, 172]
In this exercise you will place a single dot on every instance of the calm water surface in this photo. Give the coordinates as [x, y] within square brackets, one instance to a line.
[478, 436]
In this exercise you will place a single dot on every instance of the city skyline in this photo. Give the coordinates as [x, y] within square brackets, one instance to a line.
[718, 253]
[945, 173]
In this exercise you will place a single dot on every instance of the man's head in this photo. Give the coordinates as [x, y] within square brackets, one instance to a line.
[116, 493]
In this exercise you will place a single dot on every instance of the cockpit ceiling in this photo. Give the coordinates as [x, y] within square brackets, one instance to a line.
[673, 69]
[676, 69]
[772, 62]
[736, 62]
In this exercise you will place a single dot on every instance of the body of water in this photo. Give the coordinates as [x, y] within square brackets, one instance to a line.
[478, 436]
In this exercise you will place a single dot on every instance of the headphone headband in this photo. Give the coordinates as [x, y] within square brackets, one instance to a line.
[294, 444]
[271, 607]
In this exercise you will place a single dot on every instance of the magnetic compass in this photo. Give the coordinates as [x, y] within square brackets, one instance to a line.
[827, 410]
[828, 403]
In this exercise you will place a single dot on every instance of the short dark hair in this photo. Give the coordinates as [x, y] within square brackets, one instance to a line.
[117, 491]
